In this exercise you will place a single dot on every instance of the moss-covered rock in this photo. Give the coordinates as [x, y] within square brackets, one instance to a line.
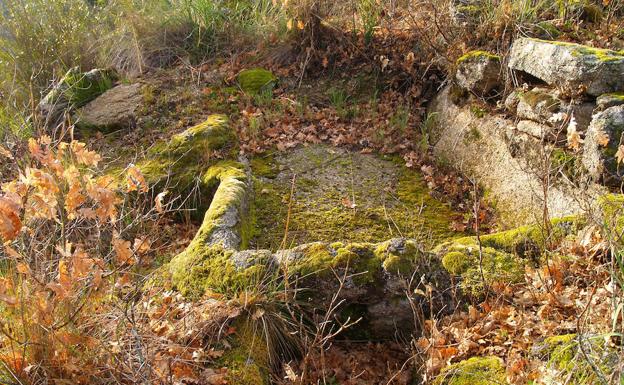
[478, 72]
[566, 362]
[538, 105]
[182, 161]
[75, 89]
[502, 256]
[256, 80]
[337, 198]
[612, 99]
[205, 264]
[473, 371]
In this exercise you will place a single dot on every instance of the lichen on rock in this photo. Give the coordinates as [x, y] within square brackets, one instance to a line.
[114, 109]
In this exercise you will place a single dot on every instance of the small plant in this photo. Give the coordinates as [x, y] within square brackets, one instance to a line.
[370, 13]
[264, 98]
[426, 128]
[338, 99]
[373, 103]
[255, 126]
[301, 107]
[399, 120]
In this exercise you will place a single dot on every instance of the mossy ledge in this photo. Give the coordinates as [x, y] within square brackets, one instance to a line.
[374, 273]
[503, 255]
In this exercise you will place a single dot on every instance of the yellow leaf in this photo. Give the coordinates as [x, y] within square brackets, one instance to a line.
[142, 245]
[289, 24]
[23, 268]
[300, 24]
[5, 153]
[603, 138]
[574, 141]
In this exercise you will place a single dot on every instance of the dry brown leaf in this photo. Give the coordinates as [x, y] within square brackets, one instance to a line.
[135, 180]
[123, 251]
[158, 202]
[10, 222]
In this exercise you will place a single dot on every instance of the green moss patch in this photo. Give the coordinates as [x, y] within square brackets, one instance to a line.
[77, 88]
[612, 207]
[477, 55]
[568, 363]
[248, 359]
[473, 371]
[256, 80]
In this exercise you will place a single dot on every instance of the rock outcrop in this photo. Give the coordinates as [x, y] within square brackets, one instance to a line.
[508, 163]
[571, 66]
[567, 134]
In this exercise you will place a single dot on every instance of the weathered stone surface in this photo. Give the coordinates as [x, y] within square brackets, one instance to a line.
[480, 148]
[569, 65]
[605, 101]
[511, 102]
[114, 109]
[545, 106]
[479, 72]
[602, 139]
[535, 129]
[538, 105]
